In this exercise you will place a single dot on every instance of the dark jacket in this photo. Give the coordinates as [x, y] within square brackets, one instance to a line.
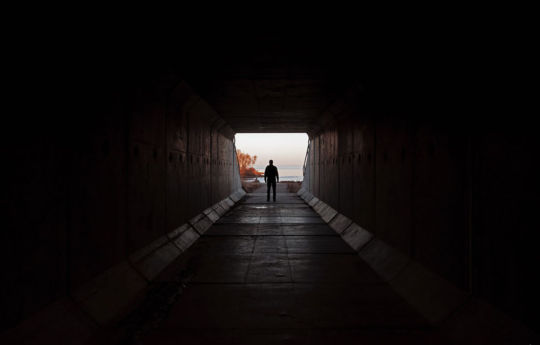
[271, 173]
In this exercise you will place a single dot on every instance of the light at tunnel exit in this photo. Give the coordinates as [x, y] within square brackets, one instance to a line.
[285, 149]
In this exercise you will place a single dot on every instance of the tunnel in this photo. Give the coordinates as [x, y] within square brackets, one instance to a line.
[420, 175]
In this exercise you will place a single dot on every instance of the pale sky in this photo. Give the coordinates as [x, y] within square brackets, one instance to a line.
[283, 148]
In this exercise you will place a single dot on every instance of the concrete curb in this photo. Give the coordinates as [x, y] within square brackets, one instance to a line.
[431, 295]
[201, 223]
[340, 223]
[99, 297]
[238, 195]
[326, 212]
[151, 266]
[183, 237]
[313, 201]
[356, 237]
[149, 261]
[306, 196]
[385, 260]
[435, 300]
[319, 206]
[219, 209]
[148, 249]
[228, 201]
[211, 214]
[111, 294]
[186, 240]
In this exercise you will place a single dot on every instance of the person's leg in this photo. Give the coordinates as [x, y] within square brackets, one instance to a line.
[274, 189]
[268, 184]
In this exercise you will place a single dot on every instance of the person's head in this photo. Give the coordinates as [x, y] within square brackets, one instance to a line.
[271, 162]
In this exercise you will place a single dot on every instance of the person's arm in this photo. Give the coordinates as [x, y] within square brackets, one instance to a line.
[277, 175]
[265, 174]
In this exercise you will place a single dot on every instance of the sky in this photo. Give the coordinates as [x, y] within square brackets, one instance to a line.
[286, 149]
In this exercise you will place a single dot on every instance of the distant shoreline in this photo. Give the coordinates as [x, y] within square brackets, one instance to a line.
[287, 167]
[290, 173]
[281, 179]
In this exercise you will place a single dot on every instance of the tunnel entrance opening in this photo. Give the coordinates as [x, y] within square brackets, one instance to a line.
[286, 150]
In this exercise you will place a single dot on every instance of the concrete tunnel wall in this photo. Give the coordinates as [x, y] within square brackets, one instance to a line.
[111, 201]
[448, 197]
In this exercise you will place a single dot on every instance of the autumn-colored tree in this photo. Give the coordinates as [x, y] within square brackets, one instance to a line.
[246, 162]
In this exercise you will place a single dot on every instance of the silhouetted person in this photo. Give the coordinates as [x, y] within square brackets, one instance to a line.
[271, 176]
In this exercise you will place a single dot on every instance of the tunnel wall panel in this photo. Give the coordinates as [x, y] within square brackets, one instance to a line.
[38, 231]
[131, 169]
[394, 182]
[314, 180]
[455, 197]
[147, 161]
[345, 167]
[177, 196]
[504, 219]
[97, 197]
[146, 190]
[395, 192]
[440, 201]
[363, 184]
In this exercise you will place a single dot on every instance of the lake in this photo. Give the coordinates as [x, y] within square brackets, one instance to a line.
[286, 173]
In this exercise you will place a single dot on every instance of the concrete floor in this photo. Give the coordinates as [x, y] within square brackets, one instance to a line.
[275, 273]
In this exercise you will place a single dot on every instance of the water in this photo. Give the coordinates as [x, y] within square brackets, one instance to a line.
[286, 173]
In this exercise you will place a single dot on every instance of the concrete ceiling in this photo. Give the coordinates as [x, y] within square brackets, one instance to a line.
[269, 105]
[284, 82]
[270, 84]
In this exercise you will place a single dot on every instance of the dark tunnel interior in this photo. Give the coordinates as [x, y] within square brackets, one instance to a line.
[421, 157]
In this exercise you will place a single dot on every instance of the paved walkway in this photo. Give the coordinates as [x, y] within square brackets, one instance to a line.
[275, 273]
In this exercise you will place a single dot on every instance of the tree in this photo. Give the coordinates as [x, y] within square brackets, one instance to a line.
[246, 161]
